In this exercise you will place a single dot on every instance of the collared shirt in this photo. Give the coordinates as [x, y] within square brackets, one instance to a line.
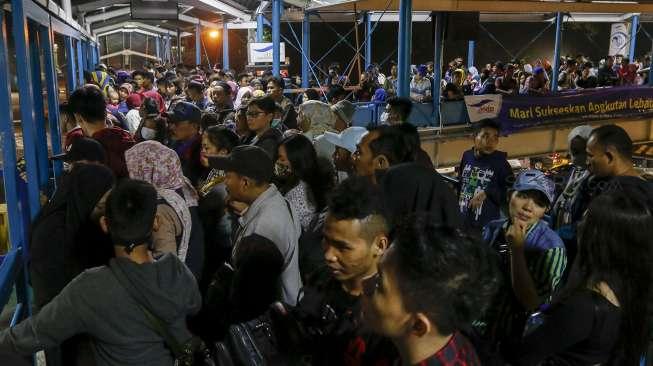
[458, 352]
[272, 217]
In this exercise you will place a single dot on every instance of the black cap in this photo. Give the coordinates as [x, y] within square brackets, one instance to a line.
[249, 161]
[83, 148]
[184, 111]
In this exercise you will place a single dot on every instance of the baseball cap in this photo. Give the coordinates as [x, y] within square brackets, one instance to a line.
[249, 161]
[583, 132]
[83, 148]
[184, 111]
[347, 139]
[345, 110]
[535, 180]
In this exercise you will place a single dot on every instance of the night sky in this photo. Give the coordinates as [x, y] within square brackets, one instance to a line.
[590, 39]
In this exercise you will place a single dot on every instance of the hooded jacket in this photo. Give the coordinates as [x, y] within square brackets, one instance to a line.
[115, 142]
[64, 240]
[97, 304]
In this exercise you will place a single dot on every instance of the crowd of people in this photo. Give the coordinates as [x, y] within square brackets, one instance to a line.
[195, 207]
[515, 77]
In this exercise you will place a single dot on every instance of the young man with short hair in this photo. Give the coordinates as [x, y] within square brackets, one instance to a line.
[397, 110]
[381, 148]
[89, 108]
[484, 177]
[260, 113]
[108, 302]
[345, 143]
[275, 89]
[355, 237]
[431, 284]
[532, 257]
[145, 82]
[221, 103]
[187, 141]
[249, 171]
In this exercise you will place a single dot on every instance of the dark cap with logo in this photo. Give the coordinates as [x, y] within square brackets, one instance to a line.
[184, 111]
[249, 161]
[83, 148]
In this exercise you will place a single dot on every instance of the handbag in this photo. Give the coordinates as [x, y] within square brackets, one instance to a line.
[191, 353]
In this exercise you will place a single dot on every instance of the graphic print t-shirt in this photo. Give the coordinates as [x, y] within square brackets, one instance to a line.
[487, 173]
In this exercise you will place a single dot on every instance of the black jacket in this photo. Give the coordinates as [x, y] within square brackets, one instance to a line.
[269, 141]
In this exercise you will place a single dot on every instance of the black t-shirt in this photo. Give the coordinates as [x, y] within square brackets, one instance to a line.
[344, 342]
[580, 330]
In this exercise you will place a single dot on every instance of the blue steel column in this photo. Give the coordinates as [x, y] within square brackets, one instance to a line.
[367, 18]
[198, 44]
[438, 18]
[633, 36]
[225, 45]
[306, 49]
[37, 106]
[8, 142]
[276, 36]
[556, 53]
[259, 27]
[405, 37]
[53, 96]
[80, 63]
[471, 48]
[26, 100]
[71, 74]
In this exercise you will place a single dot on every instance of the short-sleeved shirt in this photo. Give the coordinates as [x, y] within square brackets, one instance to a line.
[421, 88]
[546, 260]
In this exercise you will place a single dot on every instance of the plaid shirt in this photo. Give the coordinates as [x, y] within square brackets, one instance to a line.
[458, 352]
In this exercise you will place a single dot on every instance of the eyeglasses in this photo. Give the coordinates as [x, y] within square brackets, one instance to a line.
[253, 114]
[371, 285]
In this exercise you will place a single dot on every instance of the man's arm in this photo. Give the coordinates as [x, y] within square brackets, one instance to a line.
[55, 323]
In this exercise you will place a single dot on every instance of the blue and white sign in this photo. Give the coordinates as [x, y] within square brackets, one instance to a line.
[262, 52]
[619, 39]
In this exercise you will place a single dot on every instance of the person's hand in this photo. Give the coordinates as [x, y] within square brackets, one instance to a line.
[516, 234]
[477, 200]
[238, 207]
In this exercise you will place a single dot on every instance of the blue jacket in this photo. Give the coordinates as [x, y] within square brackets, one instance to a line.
[541, 237]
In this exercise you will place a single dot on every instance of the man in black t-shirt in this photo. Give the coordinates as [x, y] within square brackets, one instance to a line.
[355, 237]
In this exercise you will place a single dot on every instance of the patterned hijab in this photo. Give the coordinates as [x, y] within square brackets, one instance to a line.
[318, 118]
[158, 165]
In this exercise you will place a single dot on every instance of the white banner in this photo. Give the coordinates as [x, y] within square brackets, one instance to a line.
[620, 39]
[262, 53]
[480, 107]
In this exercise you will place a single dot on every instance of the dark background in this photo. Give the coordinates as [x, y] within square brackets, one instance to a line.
[590, 39]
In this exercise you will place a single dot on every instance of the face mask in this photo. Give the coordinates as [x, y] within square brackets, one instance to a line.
[148, 133]
[281, 170]
[276, 123]
[384, 117]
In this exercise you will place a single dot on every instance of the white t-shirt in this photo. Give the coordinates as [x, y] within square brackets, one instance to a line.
[133, 119]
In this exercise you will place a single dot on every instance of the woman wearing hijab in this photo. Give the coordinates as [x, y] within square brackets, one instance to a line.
[313, 119]
[65, 240]
[180, 229]
[411, 187]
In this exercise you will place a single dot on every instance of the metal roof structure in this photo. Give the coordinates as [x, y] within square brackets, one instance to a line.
[506, 6]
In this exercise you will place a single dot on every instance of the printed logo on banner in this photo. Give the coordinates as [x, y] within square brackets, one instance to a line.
[483, 106]
[262, 52]
[619, 39]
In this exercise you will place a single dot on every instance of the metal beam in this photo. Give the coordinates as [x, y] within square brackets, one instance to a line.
[261, 7]
[198, 45]
[193, 20]
[556, 53]
[259, 27]
[225, 45]
[50, 73]
[277, 5]
[367, 19]
[633, 36]
[95, 5]
[438, 18]
[127, 53]
[404, 47]
[108, 15]
[226, 8]
[500, 6]
[135, 25]
[471, 47]
[306, 49]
